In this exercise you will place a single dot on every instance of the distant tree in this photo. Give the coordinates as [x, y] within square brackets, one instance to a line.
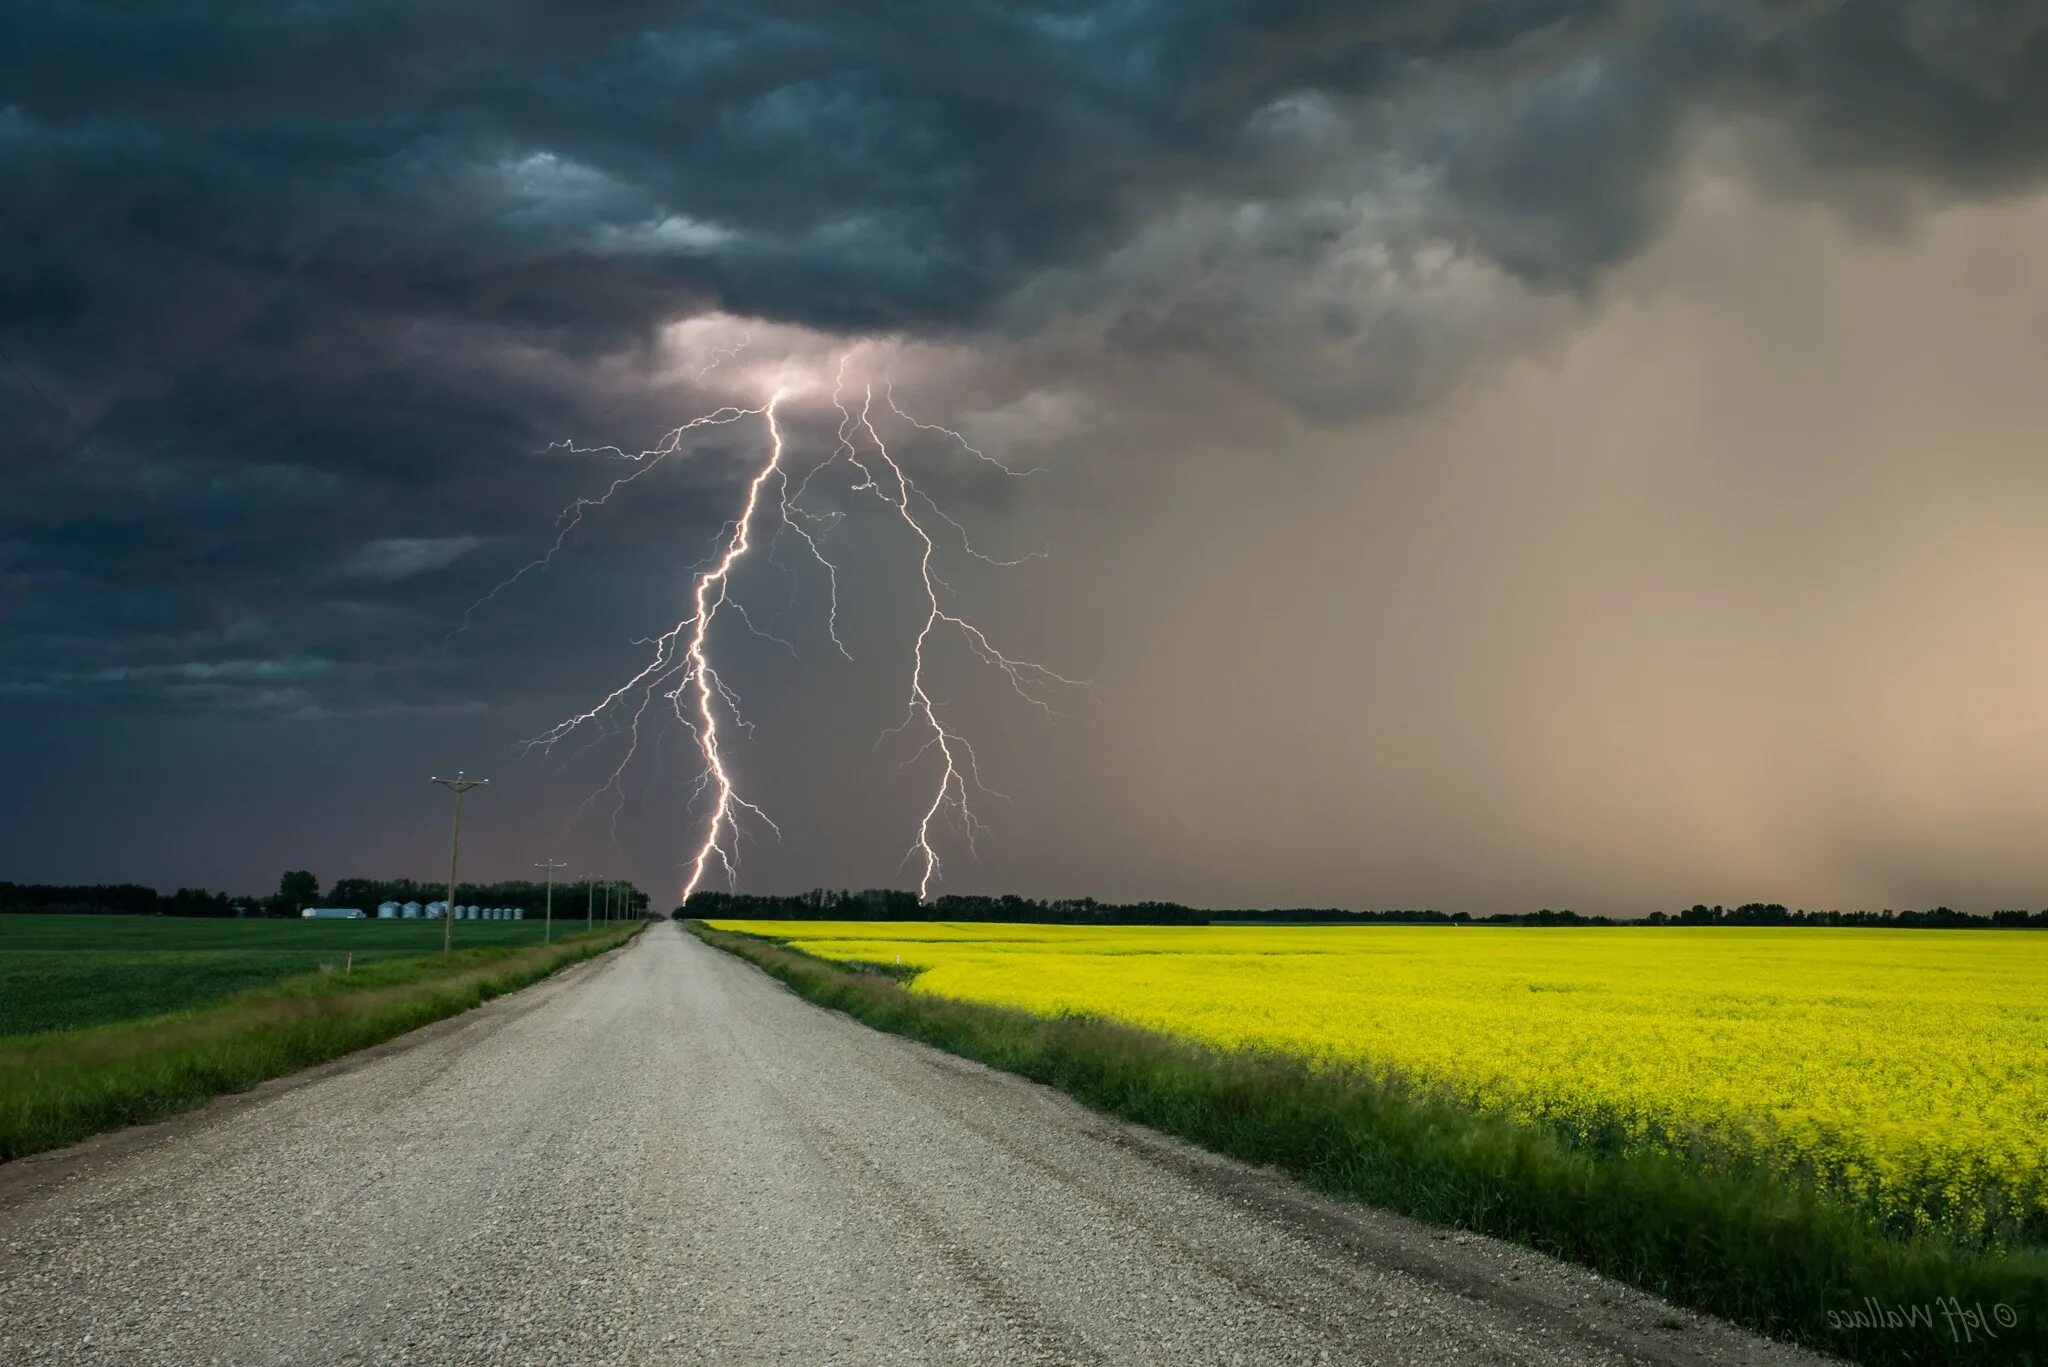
[195, 902]
[296, 891]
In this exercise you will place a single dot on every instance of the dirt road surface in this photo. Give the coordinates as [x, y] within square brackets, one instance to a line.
[664, 1157]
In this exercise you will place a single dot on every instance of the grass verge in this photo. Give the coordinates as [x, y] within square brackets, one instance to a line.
[1747, 1246]
[60, 1087]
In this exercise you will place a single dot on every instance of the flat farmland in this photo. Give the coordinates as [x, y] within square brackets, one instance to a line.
[69, 972]
[1899, 1074]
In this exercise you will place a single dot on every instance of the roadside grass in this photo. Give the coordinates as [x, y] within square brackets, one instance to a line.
[62, 1086]
[1742, 1243]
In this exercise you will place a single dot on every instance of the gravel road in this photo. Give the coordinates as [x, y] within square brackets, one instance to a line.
[663, 1156]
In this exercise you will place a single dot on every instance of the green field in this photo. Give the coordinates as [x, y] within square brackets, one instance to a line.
[122, 1020]
[66, 972]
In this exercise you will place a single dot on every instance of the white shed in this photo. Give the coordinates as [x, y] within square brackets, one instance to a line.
[333, 914]
[410, 911]
[387, 911]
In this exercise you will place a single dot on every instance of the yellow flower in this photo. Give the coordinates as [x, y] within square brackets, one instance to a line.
[1901, 1071]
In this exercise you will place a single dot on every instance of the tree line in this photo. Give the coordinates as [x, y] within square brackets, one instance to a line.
[891, 904]
[1776, 914]
[298, 889]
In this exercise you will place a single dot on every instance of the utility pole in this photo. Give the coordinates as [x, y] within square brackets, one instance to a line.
[457, 785]
[607, 901]
[590, 903]
[550, 865]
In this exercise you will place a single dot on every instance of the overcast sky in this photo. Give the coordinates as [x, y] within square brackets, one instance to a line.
[1490, 455]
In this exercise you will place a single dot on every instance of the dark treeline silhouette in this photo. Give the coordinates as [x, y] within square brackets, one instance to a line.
[83, 899]
[299, 889]
[1775, 914]
[889, 904]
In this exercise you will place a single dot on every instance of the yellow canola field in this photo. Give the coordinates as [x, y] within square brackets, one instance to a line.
[1907, 1070]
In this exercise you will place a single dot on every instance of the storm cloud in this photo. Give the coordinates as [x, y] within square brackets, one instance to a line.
[189, 190]
[295, 301]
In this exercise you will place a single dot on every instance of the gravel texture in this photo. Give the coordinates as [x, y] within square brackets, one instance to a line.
[664, 1156]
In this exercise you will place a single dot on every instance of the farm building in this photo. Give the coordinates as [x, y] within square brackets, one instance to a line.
[334, 914]
[387, 911]
[410, 911]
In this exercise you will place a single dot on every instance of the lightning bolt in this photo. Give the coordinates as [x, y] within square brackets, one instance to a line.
[959, 767]
[680, 668]
[702, 680]
[571, 517]
[721, 354]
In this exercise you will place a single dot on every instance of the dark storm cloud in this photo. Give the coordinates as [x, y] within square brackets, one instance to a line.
[273, 279]
[402, 557]
[602, 167]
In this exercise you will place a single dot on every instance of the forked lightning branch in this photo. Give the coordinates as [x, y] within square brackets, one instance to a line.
[681, 680]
